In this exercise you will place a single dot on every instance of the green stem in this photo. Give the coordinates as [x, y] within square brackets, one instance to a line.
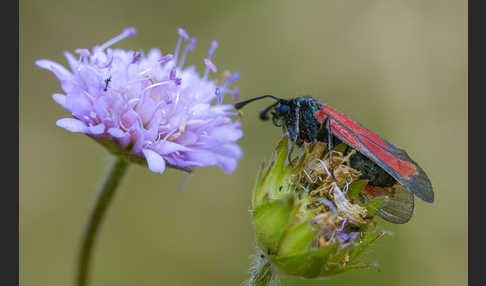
[262, 273]
[264, 277]
[104, 198]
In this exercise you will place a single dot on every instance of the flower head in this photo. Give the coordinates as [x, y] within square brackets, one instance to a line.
[149, 108]
[309, 223]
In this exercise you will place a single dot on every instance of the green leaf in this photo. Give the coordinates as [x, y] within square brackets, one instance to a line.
[361, 245]
[355, 188]
[353, 266]
[308, 264]
[341, 147]
[270, 221]
[336, 261]
[297, 238]
[270, 184]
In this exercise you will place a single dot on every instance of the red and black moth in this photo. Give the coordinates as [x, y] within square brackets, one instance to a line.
[393, 160]
[305, 119]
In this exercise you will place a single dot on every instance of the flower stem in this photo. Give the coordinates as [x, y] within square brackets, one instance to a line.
[264, 276]
[262, 273]
[104, 198]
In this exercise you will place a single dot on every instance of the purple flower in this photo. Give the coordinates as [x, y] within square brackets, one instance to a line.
[150, 108]
[346, 239]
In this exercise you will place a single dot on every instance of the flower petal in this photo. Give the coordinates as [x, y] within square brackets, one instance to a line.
[60, 99]
[97, 129]
[228, 165]
[155, 162]
[138, 137]
[61, 72]
[79, 105]
[168, 147]
[72, 125]
[231, 150]
[73, 63]
[116, 132]
[226, 133]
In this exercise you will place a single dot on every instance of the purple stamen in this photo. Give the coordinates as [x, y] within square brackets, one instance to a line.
[128, 32]
[332, 235]
[221, 90]
[189, 47]
[346, 239]
[235, 93]
[219, 98]
[182, 35]
[192, 45]
[144, 72]
[165, 59]
[136, 57]
[232, 78]
[82, 52]
[176, 101]
[214, 45]
[172, 74]
[342, 225]
[156, 84]
[342, 237]
[209, 66]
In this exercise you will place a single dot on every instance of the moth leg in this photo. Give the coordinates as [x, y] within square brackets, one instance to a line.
[292, 146]
[296, 134]
[297, 123]
[329, 145]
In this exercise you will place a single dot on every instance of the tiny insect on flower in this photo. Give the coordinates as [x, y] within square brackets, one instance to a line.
[148, 107]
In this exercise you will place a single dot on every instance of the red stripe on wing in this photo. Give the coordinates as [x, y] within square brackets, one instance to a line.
[374, 191]
[404, 168]
[355, 126]
[368, 143]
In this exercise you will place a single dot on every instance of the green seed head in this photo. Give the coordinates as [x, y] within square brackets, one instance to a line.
[308, 223]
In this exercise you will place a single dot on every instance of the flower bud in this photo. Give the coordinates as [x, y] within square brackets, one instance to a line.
[307, 222]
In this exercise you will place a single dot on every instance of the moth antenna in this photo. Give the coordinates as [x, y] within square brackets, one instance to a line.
[240, 105]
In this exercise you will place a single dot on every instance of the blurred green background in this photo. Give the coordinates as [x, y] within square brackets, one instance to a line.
[398, 67]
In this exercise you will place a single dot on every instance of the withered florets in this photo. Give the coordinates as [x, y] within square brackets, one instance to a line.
[309, 223]
[337, 214]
